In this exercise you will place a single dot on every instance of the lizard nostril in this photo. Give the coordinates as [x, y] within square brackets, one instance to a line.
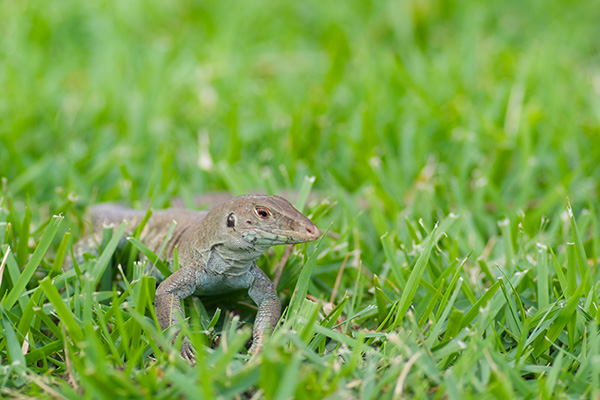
[310, 230]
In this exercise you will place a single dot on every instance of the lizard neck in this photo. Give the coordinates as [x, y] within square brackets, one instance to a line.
[199, 249]
[221, 260]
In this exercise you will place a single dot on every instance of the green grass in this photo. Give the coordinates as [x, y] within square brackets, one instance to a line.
[455, 150]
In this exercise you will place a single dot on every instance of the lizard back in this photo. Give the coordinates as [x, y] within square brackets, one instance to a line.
[156, 229]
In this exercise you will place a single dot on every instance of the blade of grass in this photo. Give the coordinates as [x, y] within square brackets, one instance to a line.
[23, 246]
[580, 251]
[106, 255]
[437, 326]
[10, 340]
[60, 253]
[304, 192]
[379, 299]
[564, 284]
[542, 278]
[482, 302]
[419, 268]
[160, 265]
[289, 380]
[386, 242]
[66, 316]
[33, 263]
[301, 288]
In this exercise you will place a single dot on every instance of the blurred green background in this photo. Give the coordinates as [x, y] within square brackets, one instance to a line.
[479, 103]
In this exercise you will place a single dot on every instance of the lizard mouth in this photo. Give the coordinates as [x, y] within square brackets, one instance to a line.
[273, 237]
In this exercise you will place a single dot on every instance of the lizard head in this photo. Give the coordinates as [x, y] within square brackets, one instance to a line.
[261, 220]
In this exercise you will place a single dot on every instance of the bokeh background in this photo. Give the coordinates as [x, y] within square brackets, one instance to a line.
[458, 104]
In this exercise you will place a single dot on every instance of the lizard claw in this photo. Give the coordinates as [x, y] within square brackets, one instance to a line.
[188, 352]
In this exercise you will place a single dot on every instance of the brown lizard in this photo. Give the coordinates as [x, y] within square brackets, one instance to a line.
[217, 251]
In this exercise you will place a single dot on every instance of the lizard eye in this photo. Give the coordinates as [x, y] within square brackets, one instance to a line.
[262, 212]
[231, 221]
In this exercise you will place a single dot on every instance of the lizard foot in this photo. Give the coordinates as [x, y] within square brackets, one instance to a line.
[188, 352]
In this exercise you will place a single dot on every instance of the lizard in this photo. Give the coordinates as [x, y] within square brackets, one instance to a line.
[217, 250]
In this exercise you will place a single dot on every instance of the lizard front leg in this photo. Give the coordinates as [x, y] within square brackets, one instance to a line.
[167, 303]
[263, 293]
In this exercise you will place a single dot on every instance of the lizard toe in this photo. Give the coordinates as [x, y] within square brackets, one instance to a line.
[188, 352]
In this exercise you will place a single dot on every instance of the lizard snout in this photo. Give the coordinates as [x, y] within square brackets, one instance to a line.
[313, 231]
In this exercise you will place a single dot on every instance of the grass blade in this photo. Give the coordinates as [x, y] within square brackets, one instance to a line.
[106, 255]
[10, 340]
[303, 280]
[60, 253]
[23, 246]
[419, 268]
[66, 316]
[33, 263]
[304, 192]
